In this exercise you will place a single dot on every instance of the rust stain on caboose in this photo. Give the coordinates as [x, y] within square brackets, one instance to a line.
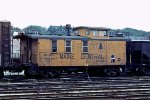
[87, 46]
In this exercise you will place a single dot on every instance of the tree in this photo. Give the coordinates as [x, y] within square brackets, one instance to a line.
[16, 29]
[57, 30]
[34, 29]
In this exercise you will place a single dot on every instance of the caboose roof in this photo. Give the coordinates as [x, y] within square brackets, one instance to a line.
[92, 28]
[36, 36]
[57, 37]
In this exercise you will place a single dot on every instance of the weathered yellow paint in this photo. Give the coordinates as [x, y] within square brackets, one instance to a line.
[61, 46]
[95, 56]
[82, 32]
[117, 48]
[44, 49]
[42, 54]
[76, 50]
[94, 49]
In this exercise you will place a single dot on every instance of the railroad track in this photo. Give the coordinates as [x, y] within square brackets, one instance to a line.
[76, 88]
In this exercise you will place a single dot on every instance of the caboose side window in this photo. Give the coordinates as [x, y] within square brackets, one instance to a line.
[54, 46]
[76, 32]
[112, 58]
[85, 46]
[68, 46]
[87, 32]
[95, 33]
[105, 33]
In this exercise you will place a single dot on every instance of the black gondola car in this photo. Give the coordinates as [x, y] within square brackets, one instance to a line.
[138, 56]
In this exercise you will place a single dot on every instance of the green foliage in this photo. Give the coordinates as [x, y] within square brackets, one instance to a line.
[35, 29]
[16, 29]
[61, 30]
[136, 32]
[57, 30]
[131, 32]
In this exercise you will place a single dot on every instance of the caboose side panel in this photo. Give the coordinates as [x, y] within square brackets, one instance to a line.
[76, 54]
[59, 57]
[116, 53]
[97, 53]
[100, 53]
[63, 58]
[77, 57]
[43, 52]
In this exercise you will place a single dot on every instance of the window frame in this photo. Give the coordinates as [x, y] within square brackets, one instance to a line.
[101, 33]
[105, 33]
[87, 32]
[68, 46]
[113, 59]
[94, 33]
[76, 32]
[83, 46]
[52, 46]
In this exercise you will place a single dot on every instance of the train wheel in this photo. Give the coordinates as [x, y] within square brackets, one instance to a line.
[146, 71]
[55, 73]
[27, 74]
[111, 71]
[48, 74]
[43, 74]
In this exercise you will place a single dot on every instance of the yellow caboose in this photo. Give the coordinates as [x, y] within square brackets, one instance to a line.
[87, 48]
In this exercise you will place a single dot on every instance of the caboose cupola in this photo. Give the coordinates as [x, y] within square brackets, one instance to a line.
[91, 31]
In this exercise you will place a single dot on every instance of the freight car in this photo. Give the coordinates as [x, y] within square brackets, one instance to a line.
[87, 49]
[5, 47]
[138, 56]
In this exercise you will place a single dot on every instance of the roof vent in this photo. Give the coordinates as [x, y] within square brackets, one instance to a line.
[120, 35]
[68, 27]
